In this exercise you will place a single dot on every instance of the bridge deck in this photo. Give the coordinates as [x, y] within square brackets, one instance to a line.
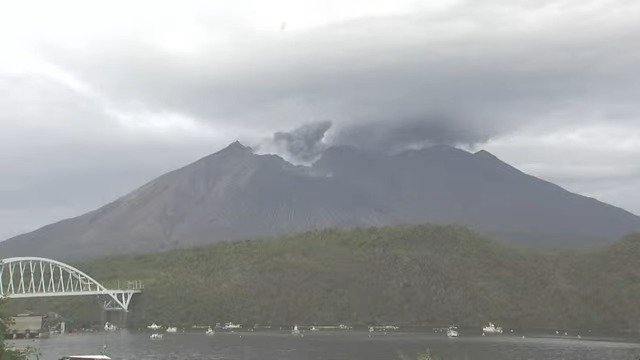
[70, 293]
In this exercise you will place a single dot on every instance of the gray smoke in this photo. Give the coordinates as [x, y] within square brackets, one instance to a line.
[304, 143]
[307, 142]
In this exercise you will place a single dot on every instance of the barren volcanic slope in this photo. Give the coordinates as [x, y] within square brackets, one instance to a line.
[236, 194]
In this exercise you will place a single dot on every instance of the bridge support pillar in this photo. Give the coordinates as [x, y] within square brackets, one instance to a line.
[123, 318]
[103, 316]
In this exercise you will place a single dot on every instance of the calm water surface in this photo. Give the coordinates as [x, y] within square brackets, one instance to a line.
[126, 345]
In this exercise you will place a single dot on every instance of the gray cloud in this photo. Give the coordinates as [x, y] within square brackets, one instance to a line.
[461, 77]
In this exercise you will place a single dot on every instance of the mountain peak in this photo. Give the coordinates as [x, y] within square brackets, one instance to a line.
[487, 157]
[485, 154]
[236, 146]
[234, 149]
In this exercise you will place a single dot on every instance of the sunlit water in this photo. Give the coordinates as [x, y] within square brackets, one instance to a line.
[126, 345]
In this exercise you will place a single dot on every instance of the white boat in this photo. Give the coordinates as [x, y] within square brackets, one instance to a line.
[230, 326]
[344, 327]
[491, 329]
[390, 327]
[452, 331]
[385, 328]
[154, 326]
[109, 327]
[172, 330]
[210, 331]
[313, 328]
[295, 330]
[86, 357]
[156, 336]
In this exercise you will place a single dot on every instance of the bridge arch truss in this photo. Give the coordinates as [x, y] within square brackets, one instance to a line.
[32, 277]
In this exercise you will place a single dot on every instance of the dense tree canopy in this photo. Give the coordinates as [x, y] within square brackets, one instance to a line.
[406, 275]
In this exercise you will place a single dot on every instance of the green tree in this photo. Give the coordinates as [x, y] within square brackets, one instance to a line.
[7, 354]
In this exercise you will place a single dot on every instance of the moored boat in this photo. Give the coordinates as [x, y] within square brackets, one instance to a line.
[231, 326]
[210, 331]
[452, 331]
[295, 330]
[492, 329]
[171, 329]
[385, 328]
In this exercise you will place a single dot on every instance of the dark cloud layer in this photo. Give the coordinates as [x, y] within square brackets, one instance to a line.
[389, 137]
[461, 77]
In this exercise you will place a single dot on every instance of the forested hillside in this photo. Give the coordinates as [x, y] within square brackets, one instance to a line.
[411, 275]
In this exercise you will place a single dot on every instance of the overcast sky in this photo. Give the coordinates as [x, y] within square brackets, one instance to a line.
[97, 97]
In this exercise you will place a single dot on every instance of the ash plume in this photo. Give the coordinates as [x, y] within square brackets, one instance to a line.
[304, 143]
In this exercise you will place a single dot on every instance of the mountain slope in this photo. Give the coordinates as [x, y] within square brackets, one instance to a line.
[445, 184]
[235, 194]
[231, 194]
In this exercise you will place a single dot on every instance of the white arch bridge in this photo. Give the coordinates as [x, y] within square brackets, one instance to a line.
[33, 277]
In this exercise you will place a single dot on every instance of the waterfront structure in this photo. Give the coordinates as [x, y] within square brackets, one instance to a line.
[32, 277]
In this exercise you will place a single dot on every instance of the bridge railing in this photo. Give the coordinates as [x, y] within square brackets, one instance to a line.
[125, 284]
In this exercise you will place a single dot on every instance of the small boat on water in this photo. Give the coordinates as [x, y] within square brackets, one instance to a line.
[231, 326]
[452, 331]
[85, 357]
[389, 327]
[491, 329]
[156, 336]
[154, 326]
[385, 328]
[295, 330]
[172, 330]
[109, 327]
[210, 331]
[313, 328]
